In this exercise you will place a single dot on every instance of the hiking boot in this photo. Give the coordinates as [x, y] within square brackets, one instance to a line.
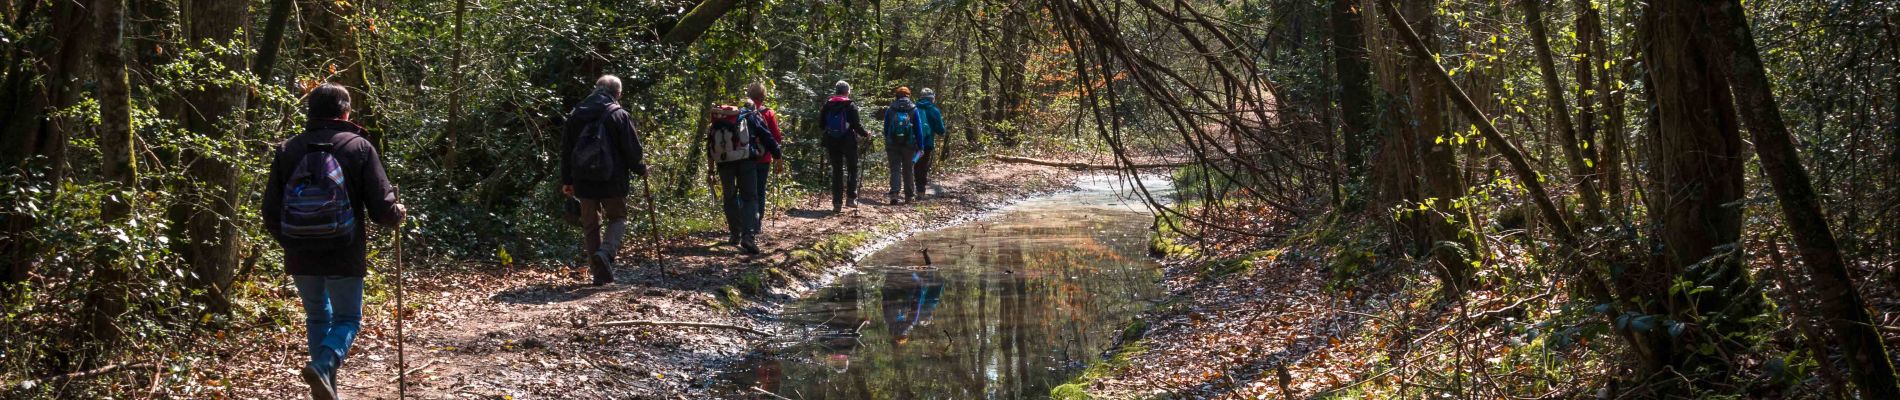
[748, 246]
[837, 208]
[322, 381]
[603, 268]
[853, 202]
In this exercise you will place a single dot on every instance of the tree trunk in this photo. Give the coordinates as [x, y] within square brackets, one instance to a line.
[1439, 183]
[695, 22]
[451, 156]
[39, 79]
[331, 45]
[1698, 180]
[267, 51]
[215, 113]
[1840, 304]
[1575, 148]
[1358, 125]
[106, 301]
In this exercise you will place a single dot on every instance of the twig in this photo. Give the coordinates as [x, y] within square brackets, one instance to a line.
[60, 379]
[767, 393]
[610, 324]
[1083, 165]
[412, 371]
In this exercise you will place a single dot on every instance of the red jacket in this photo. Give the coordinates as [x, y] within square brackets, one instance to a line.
[771, 122]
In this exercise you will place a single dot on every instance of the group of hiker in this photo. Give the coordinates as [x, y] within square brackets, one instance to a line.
[324, 181]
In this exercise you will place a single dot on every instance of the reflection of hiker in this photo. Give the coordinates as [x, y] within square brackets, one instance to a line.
[927, 138]
[842, 131]
[599, 154]
[910, 297]
[902, 127]
[736, 140]
[322, 183]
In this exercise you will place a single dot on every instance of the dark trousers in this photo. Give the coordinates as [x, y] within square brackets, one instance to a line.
[922, 170]
[763, 171]
[613, 209]
[843, 156]
[903, 171]
[737, 182]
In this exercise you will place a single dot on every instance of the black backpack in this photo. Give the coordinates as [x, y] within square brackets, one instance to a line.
[593, 155]
[317, 214]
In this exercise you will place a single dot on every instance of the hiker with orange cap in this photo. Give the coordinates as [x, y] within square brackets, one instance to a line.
[903, 126]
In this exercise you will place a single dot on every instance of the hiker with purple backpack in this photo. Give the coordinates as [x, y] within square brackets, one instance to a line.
[600, 154]
[322, 183]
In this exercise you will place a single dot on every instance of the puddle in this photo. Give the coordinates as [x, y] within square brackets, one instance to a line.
[1007, 307]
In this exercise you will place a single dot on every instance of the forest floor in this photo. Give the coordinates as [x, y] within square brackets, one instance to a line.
[485, 331]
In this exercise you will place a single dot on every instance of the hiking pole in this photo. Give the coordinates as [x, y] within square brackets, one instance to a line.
[402, 365]
[653, 224]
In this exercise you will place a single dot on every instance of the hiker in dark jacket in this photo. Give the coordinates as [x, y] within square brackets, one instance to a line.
[902, 127]
[933, 127]
[769, 119]
[597, 168]
[841, 131]
[325, 245]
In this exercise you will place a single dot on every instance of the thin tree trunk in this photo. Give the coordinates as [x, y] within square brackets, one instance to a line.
[106, 301]
[451, 156]
[1358, 127]
[1437, 165]
[215, 110]
[1575, 148]
[1840, 304]
[267, 51]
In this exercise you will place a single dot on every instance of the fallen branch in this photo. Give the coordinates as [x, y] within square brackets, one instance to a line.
[1083, 165]
[413, 371]
[767, 393]
[60, 379]
[610, 324]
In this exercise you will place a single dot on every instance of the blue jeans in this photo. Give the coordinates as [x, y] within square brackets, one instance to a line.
[333, 312]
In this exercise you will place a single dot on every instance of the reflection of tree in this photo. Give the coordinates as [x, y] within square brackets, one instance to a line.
[1017, 304]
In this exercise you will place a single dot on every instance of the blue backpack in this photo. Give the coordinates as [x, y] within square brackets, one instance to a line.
[903, 127]
[836, 127]
[317, 214]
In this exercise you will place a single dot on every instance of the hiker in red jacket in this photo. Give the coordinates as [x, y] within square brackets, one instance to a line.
[769, 118]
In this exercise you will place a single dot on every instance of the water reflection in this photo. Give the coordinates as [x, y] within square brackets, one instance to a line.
[1009, 307]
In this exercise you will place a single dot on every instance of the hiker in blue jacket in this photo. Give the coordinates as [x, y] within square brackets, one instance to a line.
[933, 127]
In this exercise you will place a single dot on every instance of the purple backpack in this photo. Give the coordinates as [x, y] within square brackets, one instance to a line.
[317, 213]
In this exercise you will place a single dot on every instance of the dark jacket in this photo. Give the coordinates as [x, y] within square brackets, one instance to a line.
[626, 147]
[844, 105]
[933, 121]
[370, 194]
[902, 105]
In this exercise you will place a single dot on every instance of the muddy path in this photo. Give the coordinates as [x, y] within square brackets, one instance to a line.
[484, 331]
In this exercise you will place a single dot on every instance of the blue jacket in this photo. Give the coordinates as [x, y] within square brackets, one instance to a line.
[902, 105]
[933, 122]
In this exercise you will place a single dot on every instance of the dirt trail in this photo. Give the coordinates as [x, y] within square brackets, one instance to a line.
[532, 337]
